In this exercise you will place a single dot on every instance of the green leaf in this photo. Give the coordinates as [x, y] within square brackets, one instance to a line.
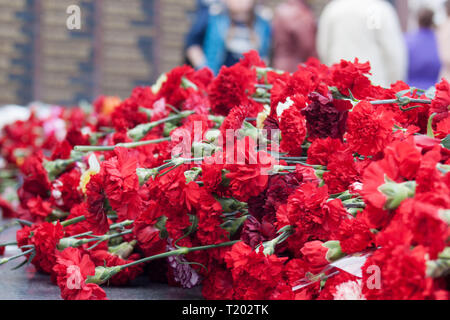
[446, 142]
[430, 132]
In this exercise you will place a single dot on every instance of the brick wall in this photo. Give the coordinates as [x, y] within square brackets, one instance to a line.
[122, 44]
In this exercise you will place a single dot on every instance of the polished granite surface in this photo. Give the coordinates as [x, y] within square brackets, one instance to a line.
[26, 284]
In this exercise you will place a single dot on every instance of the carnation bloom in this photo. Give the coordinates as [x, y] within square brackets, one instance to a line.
[293, 131]
[254, 274]
[96, 204]
[305, 212]
[35, 177]
[121, 183]
[397, 273]
[399, 165]
[321, 150]
[248, 173]
[369, 129]
[351, 77]
[354, 235]
[314, 254]
[146, 233]
[341, 171]
[231, 88]
[72, 268]
[441, 103]
[325, 118]
[218, 285]
[45, 238]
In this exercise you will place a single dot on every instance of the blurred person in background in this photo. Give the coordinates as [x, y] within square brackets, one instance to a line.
[365, 29]
[294, 35]
[193, 49]
[235, 30]
[444, 44]
[424, 62]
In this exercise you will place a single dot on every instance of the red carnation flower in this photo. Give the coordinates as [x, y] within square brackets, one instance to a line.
[402, 274]
[305, 210]
[369, 129]
[354, 235]
[234, 120]
[96, 213]
[172, 89]
[39, 209]
[127, 115]
[250, 178]
[441, 102]
[314, 254]
[44, 237]
[351, 76]
[72, 269]
[341, 172]
[321, 150]
[35, 176]
[218, 285]
[231, 88]
[254, 274]
[121, 183]
[293, 131]
[401, 163]
[146, 233]
[65, 192]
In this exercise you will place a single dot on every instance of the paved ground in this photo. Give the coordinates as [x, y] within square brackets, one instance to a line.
[26, 284]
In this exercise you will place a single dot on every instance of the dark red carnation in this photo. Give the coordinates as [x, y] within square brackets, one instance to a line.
[324, 117]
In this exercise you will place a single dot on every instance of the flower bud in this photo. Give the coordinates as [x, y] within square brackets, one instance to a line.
[65, 243]
[249, 130]
[123, 250]
[231, 205]
[201, 149]
[56, 167]
[191, 175]
[334, 251]
[145, 174]
[212, 135]
[397, 192]
[445, 215]
[103, 274]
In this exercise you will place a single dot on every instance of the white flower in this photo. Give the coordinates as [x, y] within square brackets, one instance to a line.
[350, 290]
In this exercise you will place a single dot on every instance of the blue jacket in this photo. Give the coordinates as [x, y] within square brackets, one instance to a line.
[214, 45]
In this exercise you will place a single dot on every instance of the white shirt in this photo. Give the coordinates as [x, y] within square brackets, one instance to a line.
[368, 30]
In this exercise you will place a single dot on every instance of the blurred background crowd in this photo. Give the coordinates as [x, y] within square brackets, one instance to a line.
[126, 43]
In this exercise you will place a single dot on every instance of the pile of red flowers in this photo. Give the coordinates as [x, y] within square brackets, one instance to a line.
[255, 184]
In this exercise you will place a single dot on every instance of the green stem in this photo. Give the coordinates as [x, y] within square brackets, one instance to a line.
[73, 221]
[122, 224]
[6, 260]
[262, 100]
[178, 252]
[129, 145]
[8, 244]
[394, 101]
[141, 130]
[293, 158]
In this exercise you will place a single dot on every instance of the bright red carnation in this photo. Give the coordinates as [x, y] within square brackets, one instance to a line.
[72, 269]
